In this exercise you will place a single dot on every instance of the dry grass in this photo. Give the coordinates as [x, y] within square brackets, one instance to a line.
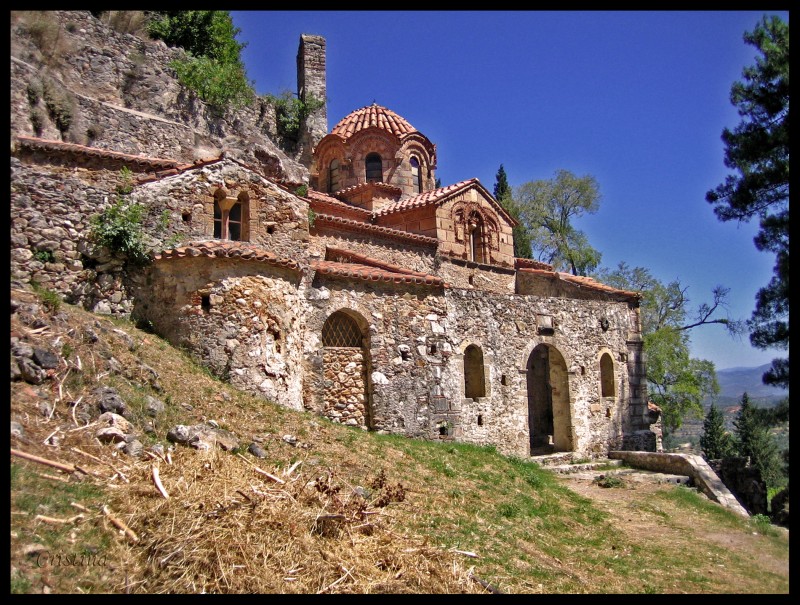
[338, 511]
[226, 528]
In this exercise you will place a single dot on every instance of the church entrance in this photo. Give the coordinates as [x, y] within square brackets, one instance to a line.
[549, 419]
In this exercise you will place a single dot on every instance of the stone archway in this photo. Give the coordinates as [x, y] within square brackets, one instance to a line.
[344, 360]
[549, 416]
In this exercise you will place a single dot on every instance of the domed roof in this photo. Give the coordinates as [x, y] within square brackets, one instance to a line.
[373, 115]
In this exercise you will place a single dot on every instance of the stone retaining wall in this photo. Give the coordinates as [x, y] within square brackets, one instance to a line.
[693, 466]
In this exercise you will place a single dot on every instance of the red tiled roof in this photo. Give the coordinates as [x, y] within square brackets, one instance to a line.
[440, 195]
[579, 280]
[365, 186]
[426, 198]
[528, 263]
[340, 253]
[373, 274]
[396, 234]
[136, 161]
[227, 249]
[372, 115]
[318, 199]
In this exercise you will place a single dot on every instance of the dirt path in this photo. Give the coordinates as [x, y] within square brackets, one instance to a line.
[634, 510]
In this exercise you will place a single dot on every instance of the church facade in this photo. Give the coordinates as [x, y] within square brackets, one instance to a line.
[369, 297]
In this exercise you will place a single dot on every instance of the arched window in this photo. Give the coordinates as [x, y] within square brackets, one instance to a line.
[230, 216]
[374, 167]
[341, 330]
[416, 174]
[477, 244]
[607, 376]
[474, 380]
[333, 176]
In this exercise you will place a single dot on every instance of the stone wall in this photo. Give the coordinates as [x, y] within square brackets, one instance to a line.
[183, 207]
[345, 386]
[51, 210]
[242, 319]
[125, 97]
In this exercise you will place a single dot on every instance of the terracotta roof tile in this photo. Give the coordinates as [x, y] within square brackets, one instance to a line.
[162, 166]
[318, 200]
[426, 198]
[348, 255]
[528, 263]
[440, 195]
[396, 234]
[372, 116]
[579, 280]
[373, 274]
[365, 186]
[47, 145]
[227, 249]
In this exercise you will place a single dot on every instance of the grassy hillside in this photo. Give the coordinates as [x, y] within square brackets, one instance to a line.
[330, 509]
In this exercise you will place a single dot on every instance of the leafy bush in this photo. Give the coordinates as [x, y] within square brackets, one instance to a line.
[291, 112]
[51, 300]
[214, 68]
[44, 256]
[218, 84]
[119, 228]
[60, 104]
[302, 190]
[126, 181]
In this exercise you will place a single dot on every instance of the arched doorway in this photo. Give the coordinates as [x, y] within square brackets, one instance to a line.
[549, 418]
[344, 361]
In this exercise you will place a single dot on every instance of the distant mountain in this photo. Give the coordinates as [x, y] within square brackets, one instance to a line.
[735, 381]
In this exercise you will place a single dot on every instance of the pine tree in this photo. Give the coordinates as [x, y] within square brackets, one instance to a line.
[715, 442]
[754, 440]
[502, 193]
[758, 151]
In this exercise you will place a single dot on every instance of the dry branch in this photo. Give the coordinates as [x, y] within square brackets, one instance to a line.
[119, 524]
[262, 471]
[159, 485]
[101, 461]
[53, 477]
[56, 521]
[67, 468]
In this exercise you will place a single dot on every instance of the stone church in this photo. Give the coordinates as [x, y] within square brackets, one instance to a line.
[362, 292]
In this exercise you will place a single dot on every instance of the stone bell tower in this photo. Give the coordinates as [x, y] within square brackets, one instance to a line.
[311, 83]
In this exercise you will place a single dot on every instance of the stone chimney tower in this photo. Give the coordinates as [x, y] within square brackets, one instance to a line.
[311, 83]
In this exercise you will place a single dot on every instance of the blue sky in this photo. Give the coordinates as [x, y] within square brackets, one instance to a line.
[636, 99]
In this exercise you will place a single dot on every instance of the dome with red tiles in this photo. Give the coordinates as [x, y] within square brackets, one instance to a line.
[372, 115]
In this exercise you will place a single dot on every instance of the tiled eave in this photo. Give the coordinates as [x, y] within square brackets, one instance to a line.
[227, 249]
[370, 186]
[161, 166]
[368, 228]
[361, 259]
[319, 201]
[373, 274]
[527, 263]
[441, 195]
[583, 282]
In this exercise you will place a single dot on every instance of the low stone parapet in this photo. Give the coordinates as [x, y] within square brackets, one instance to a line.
[693, 466]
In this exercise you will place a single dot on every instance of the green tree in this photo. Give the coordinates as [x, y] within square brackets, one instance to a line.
[754, 440]
[677, 383]
[503, 194]
[214, 69]
[715, 441]
[758, 150]
[501, 187]
[547, 209]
